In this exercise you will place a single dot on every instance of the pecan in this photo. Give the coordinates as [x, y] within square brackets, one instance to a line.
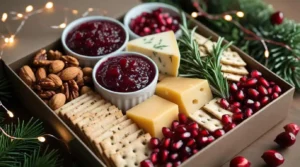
[70, 61]
[46, 94]
[27, 75]
[40, 59]
[47, 83]
[87, 71]
[40, 73]
[88, 80]
[54, 55]
[71, 90]
[79, 78]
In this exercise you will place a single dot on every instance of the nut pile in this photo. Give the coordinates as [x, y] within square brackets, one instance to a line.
[56, 78]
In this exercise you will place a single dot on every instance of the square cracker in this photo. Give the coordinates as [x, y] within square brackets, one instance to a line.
[232, 58]
[134, 153]
[215, 109]
[206, 121]
[232, 77]
[234, 69]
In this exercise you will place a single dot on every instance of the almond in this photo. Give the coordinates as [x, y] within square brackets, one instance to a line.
[56, 66]
[27, 75]
[85, 89]
[57, 101]
[69, 73]
[40, 73]
[87, 71]
[56, 80]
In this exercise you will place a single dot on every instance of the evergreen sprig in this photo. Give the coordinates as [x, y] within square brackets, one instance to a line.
[193, 65]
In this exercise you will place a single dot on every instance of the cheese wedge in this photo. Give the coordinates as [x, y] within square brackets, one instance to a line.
[162, 48]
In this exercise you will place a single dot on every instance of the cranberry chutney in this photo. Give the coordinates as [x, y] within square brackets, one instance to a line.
[125, 73]
[96, 38]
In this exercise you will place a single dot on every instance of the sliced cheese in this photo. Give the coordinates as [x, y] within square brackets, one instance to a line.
[154, 114]
[162, 48]
[190, 94]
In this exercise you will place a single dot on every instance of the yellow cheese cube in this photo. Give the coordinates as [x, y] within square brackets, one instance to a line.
[189, 93]
[154, 114]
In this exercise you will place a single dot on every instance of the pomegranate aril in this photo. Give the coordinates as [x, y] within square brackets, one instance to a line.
[157, 31]
[275, 95]
[248, 112]
[204, 132]
[255, 74]
[218, 133]
[239, 162]
[165, 143]
[156, 150]
[272, 83]
[169, 20]
[192, 126]
[235, 110]
[229, 127]
[210, 139]
[292, 127]
[154, 143]
[231, 99]
[163, 156]
[263, 82]
[186, 151]
[236, 104]
[251, 82]
[154, 157]
[243, 79]
[169, 164]
[173, 156]
[270, 90]
[202, 141]
[224, 103]
[240, 95]
[180, 129]
[249, 102]
[285, 139]
[272, 158]
[182, 118]
[191, 142]
[277, 89]
[175, 124]
[177, 163]
[167, 132]
[238, 117]
[194, 133]
[177, 145]
[195, 151]
[256, 105]
[226, 119]
[253, 93]
[262, 90]
[185, 135]
[233, 88]
[147, 30]
[146, 163]
[265, 100]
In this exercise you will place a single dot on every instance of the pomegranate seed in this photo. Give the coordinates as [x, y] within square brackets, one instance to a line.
[248, 112]
[204, 132]
[236, 104]
[182, 118]
[169, 164]
[235, 110]
[154, 143]
[177, 163]
[169, 20]
[186, 151]
[237, 117]
[210, 139]
[173, 156]
[224, 103]
[177, 145]
[229, 127]
[255, 74]
[275, 95]
[185, 135]
[157, 31]
[249, 102]
[163, 156]
[147, 30]
[156, 150]
[191, 142]
[256, 105]
[154, 157]
[233, 88]
[163, 28]
[277, 89]
[180, 129]
[218, 133]
[194, 133]
[195, 151]
[251, 82]
[240, 95]
[253, 93]
[272, 158]
[192, 126]
[262, 90]
[239, 85]
[174, 124]
[165, 143]
[292, 127]
[272, 83]
[264, 101]
[263, 82]
[202, 141]
[167, 132]
[239, 162]
[270, 90]
[226, 119]
[146, 163]
[285, 139]
[243, 79]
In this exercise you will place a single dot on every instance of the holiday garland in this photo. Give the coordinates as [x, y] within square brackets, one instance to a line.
[280, 37]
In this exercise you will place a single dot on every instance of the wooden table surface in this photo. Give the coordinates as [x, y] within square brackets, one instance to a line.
[37, 34]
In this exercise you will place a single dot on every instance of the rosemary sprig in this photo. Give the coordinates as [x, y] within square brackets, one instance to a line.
[193, 65]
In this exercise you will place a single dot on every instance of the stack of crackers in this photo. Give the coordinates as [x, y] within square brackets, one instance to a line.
[115, 139]
[233, 66]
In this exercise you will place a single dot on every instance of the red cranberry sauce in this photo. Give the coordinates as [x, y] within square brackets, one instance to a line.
[96, 38]
[125, 73]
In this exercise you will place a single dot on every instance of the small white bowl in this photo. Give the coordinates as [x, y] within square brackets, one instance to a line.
[85, 59]
[148, 7]
[126, 100]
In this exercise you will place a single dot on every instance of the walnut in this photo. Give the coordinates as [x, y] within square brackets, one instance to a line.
[71, 90]
[46, 94]
[54, 55]
[40, 59]
[47, 83]
[70, 61]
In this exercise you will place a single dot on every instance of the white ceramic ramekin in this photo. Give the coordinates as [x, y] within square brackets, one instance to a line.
[148, 7]
[84, 59]
[125, 100]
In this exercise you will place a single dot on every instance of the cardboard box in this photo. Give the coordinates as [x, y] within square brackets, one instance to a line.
[216, 154]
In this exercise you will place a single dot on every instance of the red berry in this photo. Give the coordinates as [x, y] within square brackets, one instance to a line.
[224, 103]
[275, 95]
[177, 145]
[292, 127]
[182, 118]
[154, 143]
[229, 127]
[194, 133]
[192, 126]
[249, 102]
[270, 90]
[239, 162]
[154, 157]
[174, 124]
[236, 104]
[180, 129]
[202, 141]
[167, 132]
[263, 82]
[251, 82]
[218, 133]
[237, 117]
[146, 163]
[240, 95]
[277, 18]
[185, 135]
[235, 110]
[191, 142]
[204, 132]
[165, 143]
[253, 93]
[147, 30]
[248, 112]
[272, 158]
[174, 156]
[163, 156]
[210, 139]
[256, 105]
[233, 88]
[285, 139]
[255, 74]
[277, 89]
[265, 100]
[226, 119]
[262, 90]
[243, 79]
[169, 20]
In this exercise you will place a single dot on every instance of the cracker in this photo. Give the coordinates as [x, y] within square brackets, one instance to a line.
[200, 39]
[232, 77]
[206, 121]
[234, 69]
[232, 58]
[215, 109]
[134, 153]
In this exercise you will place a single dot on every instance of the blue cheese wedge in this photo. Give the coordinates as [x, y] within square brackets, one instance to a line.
[162, 48]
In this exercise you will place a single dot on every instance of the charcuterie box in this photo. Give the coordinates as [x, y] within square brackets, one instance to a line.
[213, 155]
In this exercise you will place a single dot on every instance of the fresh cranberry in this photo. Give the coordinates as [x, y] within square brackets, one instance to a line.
[263, 82]
[255, 74]
[240, 162]
[154, 143]
[238, 117]
[292, 127]
[146, 163]
[174, 124]
[182, 118]
[273, 158]
[277, 18]
[154, 157]
[233, 88]
[226, 119]
[262, 90]
[218, 133]
[167, 132]
[285, 139]
[228, 127]
[224, 103]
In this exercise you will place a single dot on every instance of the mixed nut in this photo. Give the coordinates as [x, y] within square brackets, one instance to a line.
[56, 78]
